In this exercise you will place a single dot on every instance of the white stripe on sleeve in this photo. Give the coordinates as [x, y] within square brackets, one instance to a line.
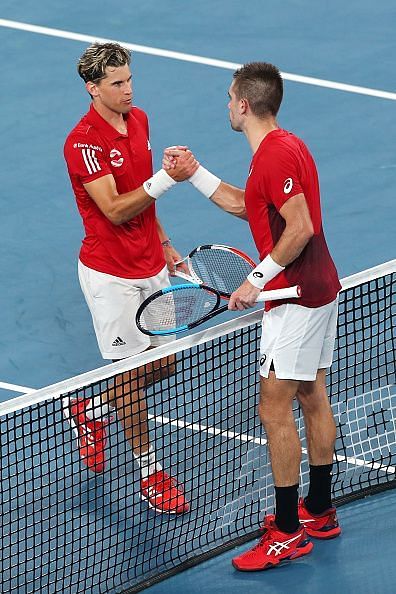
[86, 161]
[95, 160]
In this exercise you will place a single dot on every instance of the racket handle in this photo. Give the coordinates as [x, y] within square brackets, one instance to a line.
[286, 293]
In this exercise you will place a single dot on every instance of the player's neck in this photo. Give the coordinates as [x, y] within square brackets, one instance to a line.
[115, 119]
[257, 130]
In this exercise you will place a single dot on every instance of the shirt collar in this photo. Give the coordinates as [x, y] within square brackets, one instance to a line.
[96, 120]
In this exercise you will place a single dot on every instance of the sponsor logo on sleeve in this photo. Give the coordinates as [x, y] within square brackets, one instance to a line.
[288, 185]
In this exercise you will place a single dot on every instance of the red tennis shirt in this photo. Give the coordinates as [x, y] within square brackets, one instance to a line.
[93, 149]
[281, 168]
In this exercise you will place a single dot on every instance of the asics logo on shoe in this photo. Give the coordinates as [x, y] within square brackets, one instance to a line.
[85, 430]
[90, 439]
[279, 547]
[306, 521]
[152, 493]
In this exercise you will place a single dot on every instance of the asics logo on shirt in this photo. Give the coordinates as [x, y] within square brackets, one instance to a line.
[116, 162]
[278, 546]
[287, 188]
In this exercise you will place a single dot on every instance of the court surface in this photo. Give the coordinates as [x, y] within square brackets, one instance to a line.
[47, 334]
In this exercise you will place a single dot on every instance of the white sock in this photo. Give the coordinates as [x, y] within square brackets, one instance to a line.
[96, 409]
[147, 462]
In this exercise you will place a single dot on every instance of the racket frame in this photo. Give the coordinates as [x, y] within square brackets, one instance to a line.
[193, 276]
[286, 293]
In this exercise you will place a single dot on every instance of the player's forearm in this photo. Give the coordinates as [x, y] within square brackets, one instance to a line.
[129, 205]
[288, 248]
[125, 207]
[231, 199]
[291, 243]
[226, 196]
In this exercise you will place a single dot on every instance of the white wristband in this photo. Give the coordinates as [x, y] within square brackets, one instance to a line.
[205, 182]
[264, 272]
[158, 184]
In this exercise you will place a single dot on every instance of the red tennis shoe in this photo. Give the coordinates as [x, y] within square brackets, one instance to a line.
[323, 525]
[91, 434]
[163, 494]
[274, 548]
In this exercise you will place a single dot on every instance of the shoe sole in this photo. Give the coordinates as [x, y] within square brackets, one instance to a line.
[323, 535]
[281, 562]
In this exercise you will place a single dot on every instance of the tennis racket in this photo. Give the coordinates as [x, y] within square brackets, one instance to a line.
[215, 271]
[219, 266]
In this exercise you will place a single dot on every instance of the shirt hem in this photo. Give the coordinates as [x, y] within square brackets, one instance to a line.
[114, 272]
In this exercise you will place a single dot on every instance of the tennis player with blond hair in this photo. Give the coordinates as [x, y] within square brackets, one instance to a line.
[125, 256]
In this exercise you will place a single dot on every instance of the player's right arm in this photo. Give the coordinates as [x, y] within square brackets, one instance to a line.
[88, 163]
[118, 208]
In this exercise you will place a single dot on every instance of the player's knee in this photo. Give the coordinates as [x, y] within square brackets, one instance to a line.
[272, 417]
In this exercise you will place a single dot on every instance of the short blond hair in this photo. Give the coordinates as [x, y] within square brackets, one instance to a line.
[98, 56]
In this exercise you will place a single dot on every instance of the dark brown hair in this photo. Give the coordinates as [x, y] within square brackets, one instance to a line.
[261, 84]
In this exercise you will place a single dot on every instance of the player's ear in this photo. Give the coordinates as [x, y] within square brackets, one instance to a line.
[92, 88]
[243, 106]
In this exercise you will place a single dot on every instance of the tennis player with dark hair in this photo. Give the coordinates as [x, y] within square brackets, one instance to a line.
[125, 256]
[281, 202]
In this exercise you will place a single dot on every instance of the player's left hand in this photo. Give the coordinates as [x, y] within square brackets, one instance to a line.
[171, 257]
[244, 297]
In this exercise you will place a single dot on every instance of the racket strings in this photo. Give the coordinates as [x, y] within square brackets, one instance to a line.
[177, 308]
[223, 270]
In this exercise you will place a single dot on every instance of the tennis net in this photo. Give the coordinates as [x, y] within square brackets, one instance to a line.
[66, 529]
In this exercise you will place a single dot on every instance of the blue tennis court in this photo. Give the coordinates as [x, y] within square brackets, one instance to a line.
[339, 98]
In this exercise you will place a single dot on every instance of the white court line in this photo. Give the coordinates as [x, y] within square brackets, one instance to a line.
[226, 434]
[16, 388]
[153, 51]
[260, 441]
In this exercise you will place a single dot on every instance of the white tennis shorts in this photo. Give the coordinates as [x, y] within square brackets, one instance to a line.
[113, 303]
[298, 340]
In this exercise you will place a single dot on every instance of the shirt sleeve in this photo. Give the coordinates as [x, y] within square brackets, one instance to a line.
[85, 160]
[281, 177]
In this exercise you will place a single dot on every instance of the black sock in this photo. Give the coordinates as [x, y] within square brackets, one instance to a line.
[286, 517]
[319, 494]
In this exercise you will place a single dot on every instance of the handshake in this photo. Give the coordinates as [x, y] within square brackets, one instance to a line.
[179, 164]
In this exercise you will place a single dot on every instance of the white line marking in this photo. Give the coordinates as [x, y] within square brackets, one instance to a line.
[154, 51]
[260, 441]
[227, 434]
[16, 388]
